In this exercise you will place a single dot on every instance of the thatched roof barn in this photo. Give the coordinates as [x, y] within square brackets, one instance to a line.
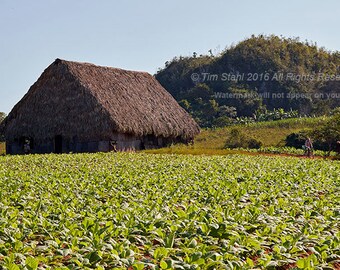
[81, 107]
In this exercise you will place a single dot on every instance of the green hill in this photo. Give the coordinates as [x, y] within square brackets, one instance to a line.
[260, 73]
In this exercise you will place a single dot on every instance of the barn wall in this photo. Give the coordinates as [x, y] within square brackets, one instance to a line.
[125, 142]
[16, 148]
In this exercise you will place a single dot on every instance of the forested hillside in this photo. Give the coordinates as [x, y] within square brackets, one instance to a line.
[256, 77]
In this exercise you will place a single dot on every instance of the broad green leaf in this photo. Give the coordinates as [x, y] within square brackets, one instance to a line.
[32, 263]
[163, 265]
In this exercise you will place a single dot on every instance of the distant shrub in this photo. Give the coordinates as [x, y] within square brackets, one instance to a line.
[296, 139]
[335, 111]
[238, 139]
[328, 134]
[254, 144]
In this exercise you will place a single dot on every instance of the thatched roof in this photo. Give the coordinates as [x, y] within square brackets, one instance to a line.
[83, 99]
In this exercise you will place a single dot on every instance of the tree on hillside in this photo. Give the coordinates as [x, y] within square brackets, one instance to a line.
[329, 133]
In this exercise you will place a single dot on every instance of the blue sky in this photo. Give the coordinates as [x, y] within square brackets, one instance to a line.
[142, 35]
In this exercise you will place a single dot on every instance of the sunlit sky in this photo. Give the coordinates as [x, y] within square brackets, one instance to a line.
[143, 35]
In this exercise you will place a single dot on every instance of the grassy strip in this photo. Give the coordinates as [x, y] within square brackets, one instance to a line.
[269, 133]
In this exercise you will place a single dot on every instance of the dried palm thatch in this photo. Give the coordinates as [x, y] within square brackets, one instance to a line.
[91, 102]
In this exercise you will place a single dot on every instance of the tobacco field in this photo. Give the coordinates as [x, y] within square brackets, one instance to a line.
[141, 211]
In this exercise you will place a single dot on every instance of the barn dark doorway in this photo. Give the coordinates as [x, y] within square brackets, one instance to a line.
[58, 144]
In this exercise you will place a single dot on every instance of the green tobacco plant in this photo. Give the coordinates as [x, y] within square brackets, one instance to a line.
[140, 211]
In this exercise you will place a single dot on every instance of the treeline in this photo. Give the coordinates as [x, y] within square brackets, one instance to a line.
[258, 76]
[2, 118]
